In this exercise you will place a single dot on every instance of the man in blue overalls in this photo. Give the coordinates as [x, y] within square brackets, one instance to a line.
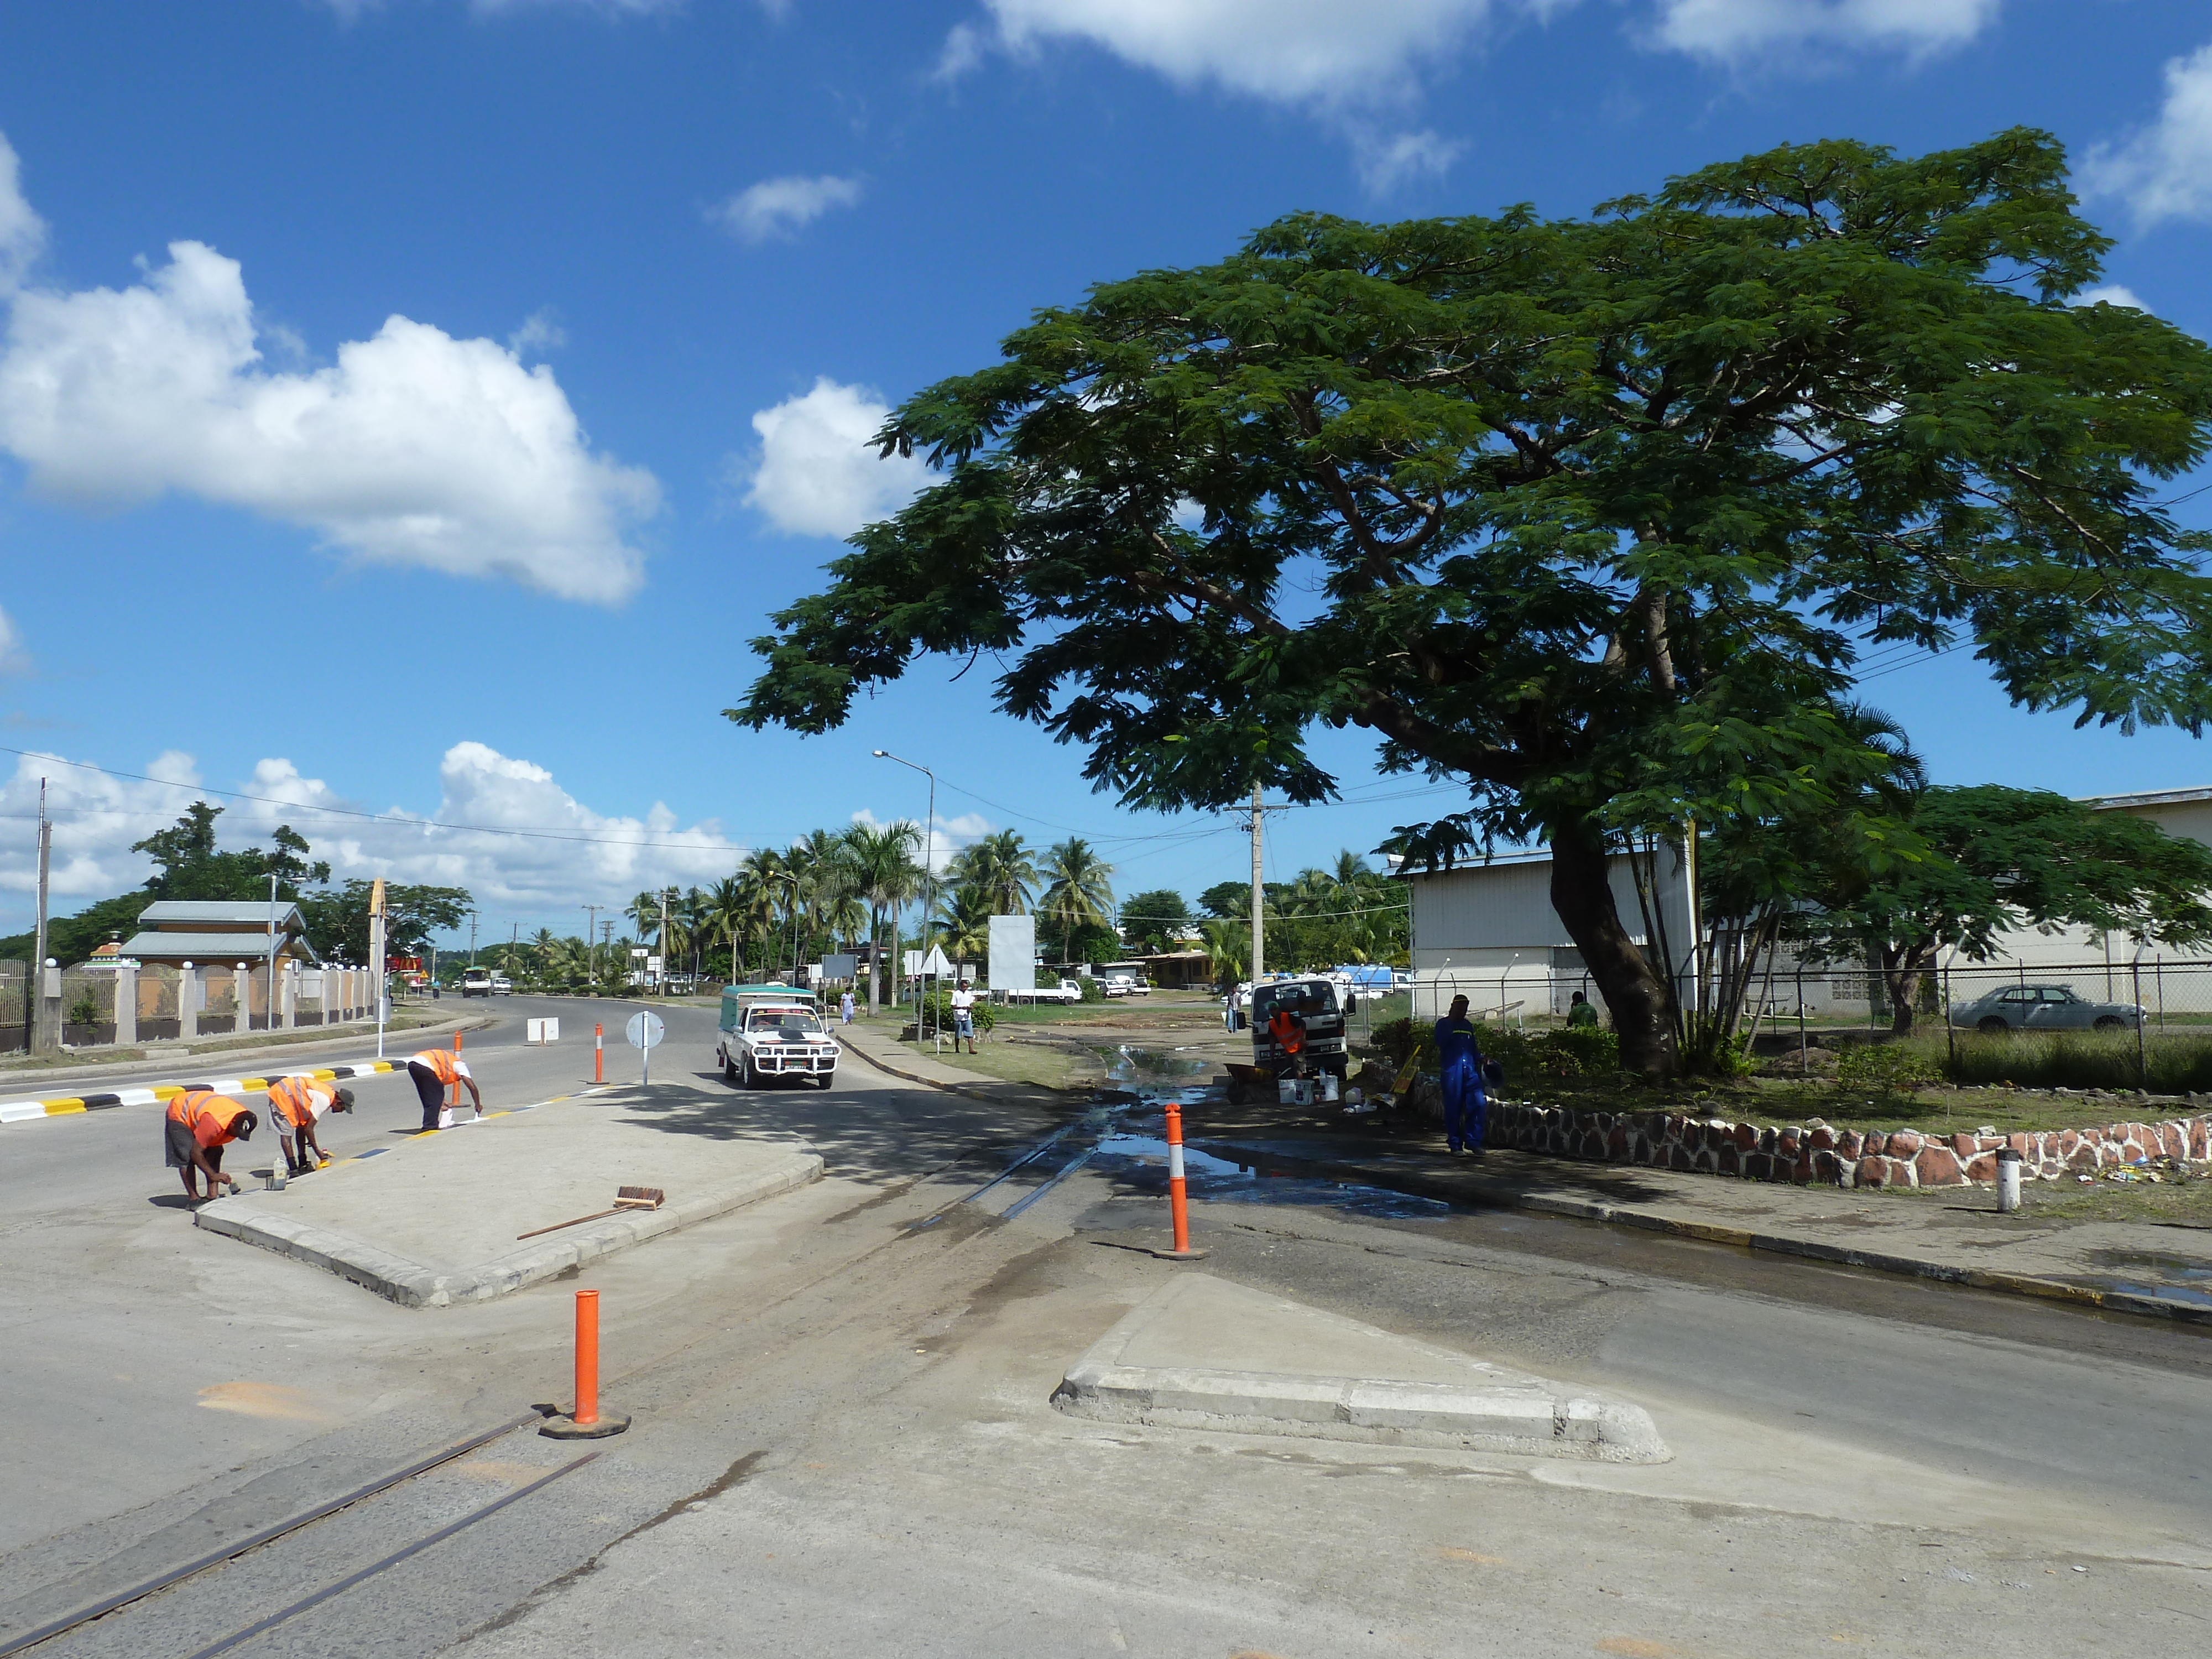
[1459, 1056]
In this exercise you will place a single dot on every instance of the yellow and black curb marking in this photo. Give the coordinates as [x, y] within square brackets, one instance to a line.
[16, 1111]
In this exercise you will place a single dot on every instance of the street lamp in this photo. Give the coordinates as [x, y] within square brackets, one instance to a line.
[928, 882]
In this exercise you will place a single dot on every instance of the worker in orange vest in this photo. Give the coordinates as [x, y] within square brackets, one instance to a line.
[297, 1106]
[1287, 1027]
[434, 1070]
[199, 1125]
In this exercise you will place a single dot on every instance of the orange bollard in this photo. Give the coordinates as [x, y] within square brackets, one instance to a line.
[585, 1422]
[1178, 1194]
[599, 1054]
[453, 1089]
[587, 1359]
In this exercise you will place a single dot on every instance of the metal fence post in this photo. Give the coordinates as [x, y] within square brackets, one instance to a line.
[1950, 1028]
[1804, 1053]
[2142, 1053]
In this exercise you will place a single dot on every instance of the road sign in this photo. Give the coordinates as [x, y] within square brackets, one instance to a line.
[541, 1032]
[644, 1031]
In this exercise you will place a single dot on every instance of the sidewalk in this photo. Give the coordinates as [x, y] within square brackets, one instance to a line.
[1953, 1235]
[896, 1060]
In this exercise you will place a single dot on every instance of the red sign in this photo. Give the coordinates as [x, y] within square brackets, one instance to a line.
[405, 964]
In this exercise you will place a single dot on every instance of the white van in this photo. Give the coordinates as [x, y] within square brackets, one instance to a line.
[476, 981]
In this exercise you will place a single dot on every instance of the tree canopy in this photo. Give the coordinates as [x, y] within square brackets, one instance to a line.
[1593, 515]
[2000, 859]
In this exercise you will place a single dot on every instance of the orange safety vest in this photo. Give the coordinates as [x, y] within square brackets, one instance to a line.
[1288, 1029]
[208, 1115]
[439, 1060]
[289, 1096]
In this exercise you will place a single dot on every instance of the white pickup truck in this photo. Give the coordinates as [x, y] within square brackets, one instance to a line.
[1068, 990]
[762, 1035]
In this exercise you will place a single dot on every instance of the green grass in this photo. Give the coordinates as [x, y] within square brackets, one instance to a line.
[2179, 1063]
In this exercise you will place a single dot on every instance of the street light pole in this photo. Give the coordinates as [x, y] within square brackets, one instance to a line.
[928, 883]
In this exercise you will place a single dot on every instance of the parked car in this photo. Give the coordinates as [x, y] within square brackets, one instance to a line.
[1124, 979]
[2043, 1008]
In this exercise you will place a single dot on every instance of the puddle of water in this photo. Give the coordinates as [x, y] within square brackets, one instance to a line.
[2190, 1294]
[1141, 1161]
[2182, 1267]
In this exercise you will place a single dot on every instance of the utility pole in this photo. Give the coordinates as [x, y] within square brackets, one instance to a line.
[44, 1037]
[1259, 893]
[662, 941]
[472, 939]
[377, 959]
[592, 939]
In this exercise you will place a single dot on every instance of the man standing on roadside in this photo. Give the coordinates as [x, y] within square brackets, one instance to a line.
[297, 1106]
[1459, 1058]
[200, 1123]
[964, 1018]
[434, 1071]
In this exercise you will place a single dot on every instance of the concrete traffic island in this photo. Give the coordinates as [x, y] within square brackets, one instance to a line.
[1203, 1353]
[436, 1219]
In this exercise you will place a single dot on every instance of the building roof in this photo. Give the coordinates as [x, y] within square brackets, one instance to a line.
[2150, 798]
[215, 948]
[221, 913]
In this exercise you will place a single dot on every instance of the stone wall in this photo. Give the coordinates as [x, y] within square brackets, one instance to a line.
[1843, 1157]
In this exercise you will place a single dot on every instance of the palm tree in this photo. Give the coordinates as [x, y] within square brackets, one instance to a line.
[725, 917]
[878, 864]
[964, 915]
[1002, 868]
[1079, 895]
[1228, 950]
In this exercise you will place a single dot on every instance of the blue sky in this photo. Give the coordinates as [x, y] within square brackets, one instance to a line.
[413, 407]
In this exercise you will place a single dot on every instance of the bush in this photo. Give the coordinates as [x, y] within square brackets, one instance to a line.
[1094, 989]
[2179, 1064]
[83, 1011]
[935, 1009]
[1394, 1042]
[1883, 1068]
[1584, 1050]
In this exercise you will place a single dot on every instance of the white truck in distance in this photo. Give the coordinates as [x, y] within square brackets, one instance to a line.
[1068, 990]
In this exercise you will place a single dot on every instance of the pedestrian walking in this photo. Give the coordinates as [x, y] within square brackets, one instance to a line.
[199, 1124]
[964, 1018]
[845, 1006]
[1459, 1056]
[434, 1071]
[297, 1106]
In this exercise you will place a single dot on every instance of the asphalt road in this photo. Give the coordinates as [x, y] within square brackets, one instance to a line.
[844, 1446]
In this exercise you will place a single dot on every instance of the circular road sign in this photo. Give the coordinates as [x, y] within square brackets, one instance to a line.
[644, 1029]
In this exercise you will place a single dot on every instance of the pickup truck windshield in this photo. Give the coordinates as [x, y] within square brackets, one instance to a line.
[1313, 1001]
[792, 1025]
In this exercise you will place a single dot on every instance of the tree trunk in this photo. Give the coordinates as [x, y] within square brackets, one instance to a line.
[1902, 970]
[1637, 996]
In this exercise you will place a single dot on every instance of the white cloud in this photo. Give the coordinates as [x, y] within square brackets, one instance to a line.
[1326, 51]
[2165, 171]
[414, 448]
[778, 208]
[1733, 31]
[1386, 162]
[963, 53]
[22, 232]
[817, 473]
[538, 334]
[574, 856]
[2109, 294]
[13, 659]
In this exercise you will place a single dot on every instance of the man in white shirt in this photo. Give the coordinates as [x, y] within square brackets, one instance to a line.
[964, 1018]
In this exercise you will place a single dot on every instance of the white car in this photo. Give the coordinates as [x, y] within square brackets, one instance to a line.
[763, 1037]
[501, 986]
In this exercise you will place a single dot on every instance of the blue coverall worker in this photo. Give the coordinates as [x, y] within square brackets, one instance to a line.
[1459, 1054]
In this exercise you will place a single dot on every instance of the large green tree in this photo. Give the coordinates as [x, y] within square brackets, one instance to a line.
[1999, 860]
[1592, 515]
[1151, 920]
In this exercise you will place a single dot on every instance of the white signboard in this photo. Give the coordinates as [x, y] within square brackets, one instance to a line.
[653, 964]
[541, 1032]
[644, 1031]
[1011, 964]
[918, 965]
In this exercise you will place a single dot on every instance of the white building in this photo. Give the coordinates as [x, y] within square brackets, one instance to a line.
[1488, 932]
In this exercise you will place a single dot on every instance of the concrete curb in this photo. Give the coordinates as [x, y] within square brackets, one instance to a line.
[1811, 1250]
[233, 1051]
[153, 1094]
[411, 1285]
[1495, 1410]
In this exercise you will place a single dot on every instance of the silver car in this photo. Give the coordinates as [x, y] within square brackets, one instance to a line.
[2043, 1008]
